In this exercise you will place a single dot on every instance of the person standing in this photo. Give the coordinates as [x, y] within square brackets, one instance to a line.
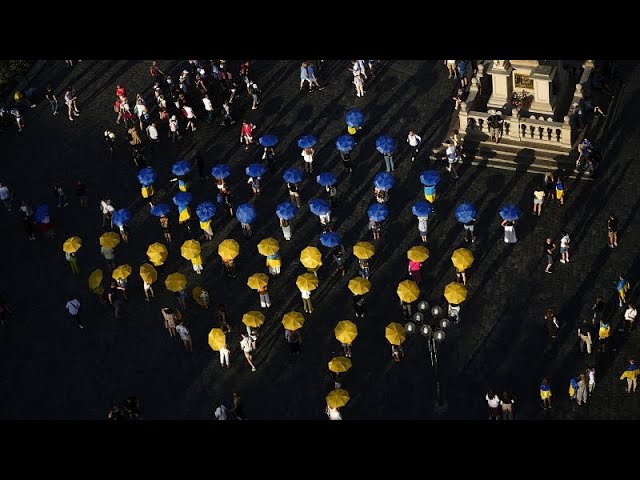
[70, 100]
[5, 196]
[340, 259]
[73, 307]
[286, 228]
[238, 407]
[246, 344]
[622, 286]
[208, 107]
[598, 309]
[270, 156]
[306, 301]
[493, 402]
[246, 133]
[388, 161]
[109, 255]
[307, 156]
[469, 231]
[359, 305]
[397, 353]
[265, 301]
[73, 263]
[583, 389]
[333, 413]
[585, 336]
[452, 159]
[630, 316]
[612, 230]
[224, 356]
[346, 161]
[509, 231]
[545, 393]
[552, 324]
[294, 194]
[375, 228]
[538, 200]
[506, 403]
[170, 320]
[549, 247]
[414, 142]
[358, 82]
[591, 372]
[564, 247]
[304, 76]
[495, 126]
[185, 336]
[363, 268]
[423, 228]
[604, 333]
[414, 271]
[294, 339]
[52, 99]
[631, 375]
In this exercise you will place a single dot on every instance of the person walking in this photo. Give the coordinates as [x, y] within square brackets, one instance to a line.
[274, 264]
[294, 339]
[397, 353]
[306, 301]
[549, 186]
[375, 228]
[358, 82]
[307, 156]
[363, 268]
[340, 258]
[265, 301]
[388, 161]
[493, 402]
[585, 335]
[333, 413]
[507, 403]
[185, 336]
[452, 159]
[359, 305]
[612, 230]
[246, 133]
[346, 161]
[294, 194]
[583, 389]
[246, 344]
[73, 263]
[70, 100]
[591, 372]
[573, 388]
[538, 201]
[552, 324]
[238, 407]
[414, 271]
[170, 320]
[109, 256]
[52, 99]
[286, 228]
[107, 212]
[604, 333]
[224, 356]
[622, 287]
[166, 228]
[598, 309]
[469, 231]
[564, 247]
[5, 196]
[545, 393]
[414, 142]
[509, 231]
[549, 247]
[630, 316]
[423, 228]
[631, 375]
[73, 307]
[560, 190]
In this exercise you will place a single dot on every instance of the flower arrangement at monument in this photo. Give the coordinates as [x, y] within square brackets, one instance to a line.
[521, 100]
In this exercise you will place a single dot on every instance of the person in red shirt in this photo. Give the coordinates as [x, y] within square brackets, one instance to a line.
[120, 91]
[246, 133]
[155, 71]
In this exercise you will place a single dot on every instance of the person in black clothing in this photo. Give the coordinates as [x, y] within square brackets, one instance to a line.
[549, 248]
[115, 413]
[552, 324]
[238, 407]
[269, 155]
[131, 409]
[612, 229]
[597, 308]
[346, 161]
[53, 100]
[495, 126]
[200, 167]
[358, 305]
[469, 228]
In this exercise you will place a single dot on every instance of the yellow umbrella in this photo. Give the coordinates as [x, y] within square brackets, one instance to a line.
[253, 319]
[121, 272]
[311, 257]
[364, 250]
[307, 282]
[190, 249]
[268, 246]
[339, 364]
[418, 254]
[395, 333]
[359, 285]
[109, 240]
[196, 292]
[337, 398]
[72, 244]
[258, 281]
[95, 279]
[157, 253]
[293, 320]
[176, 282]
[455, 293]
[346, 331]
[148, 273]
[408, 291]
[217, 339]
[228, 249]
[462, 258]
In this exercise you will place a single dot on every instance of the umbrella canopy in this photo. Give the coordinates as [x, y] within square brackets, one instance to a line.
[455, 293]
[462, 258]
[258, 281]
[346, 331]
[148, 273]
[307, 282]
[196, 293]
[339, 364]
[385, 144]
[364, 250]
[465, 212]
[430, 178]
[330, 239]
[121, 217]
[228, 249]
[286, 210]
[160, 210]
[354, 118]
[95, 279]
[147, 176]
[175, 282]
[220, 171]
[157, 253]
[255, 170]
[326, 179]
[121, 272]
[384, 181]
[190, 249]
[182, 198]
[181, 167]
[337, 398]
[205, 210]
[345, 143]
[307, 141]
[510, 212]
[422, 209]
[318, 206]
[311, 257]
[41, 213]
[408, 291]
[395, 333]
[268, 140]
[246, 213]
[72, 244]
[217, 339]
[109, 240]
[292, 175]
[253, 319]
[293, 320]
[418, 254]
[359, 285]
[378, 212]
[268, 246]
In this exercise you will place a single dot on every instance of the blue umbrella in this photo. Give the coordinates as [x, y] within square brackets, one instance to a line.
[42, 212]
[345, 143]
[430, 178]
[246, 213]
[327, 178]
[355, 118]
[307, 141]
[465, 212]
[422, 209]
[181, 167]
[384, 181]
[147, 176]
[510, 212]
[319, 207]
[255, 170]
[205, 210]
[286, 210]
[182, 198]
[220, 171]
[378, 212]
[268, 140]
[160, 210]
[292, 175]
[385, 144]
[121, 217]
[330, 239]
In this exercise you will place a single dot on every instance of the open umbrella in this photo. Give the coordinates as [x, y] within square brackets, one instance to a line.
[121, 272]
[311, 257]
[293, 320]
[330, 239]
[228, 249]
[384, 181]
[345, 143]
[217, 339]
[337, 398]
[148, 273]
[408, 291]
[430, 178]
[182, 198]
[268, 246]
[196, 293]
[205, 210]
[462, 258]
[318, 206]
[147, 176]
[326, 179]
[346, 331]
[246, 213]
[378, 212]
[292, 175]
[395, 333]
[418, 254]
[175, 282]
[255, 170]
[258, 281]
[72, 244]
[307, 141]
[286, 210]
[253, 319]
[465, 212]
[307, 282]
[220, 171]
[109, 240]
[385, 144]
[121, 217]
[354, 118]
[422, 209]
[339, 364]
[95, 279]
[268, 140]
[41, 213]
[190, 249]
[455, 293]
[181, 167]
[510, 212]
[160, 210]
[364, 250]
[359, 285]
[157, 253]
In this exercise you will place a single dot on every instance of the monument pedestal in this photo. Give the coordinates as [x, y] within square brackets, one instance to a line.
[500, 71]
[543, 98]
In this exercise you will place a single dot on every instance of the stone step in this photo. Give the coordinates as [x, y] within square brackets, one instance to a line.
[509, 164]
[512, 145]
[522, 157]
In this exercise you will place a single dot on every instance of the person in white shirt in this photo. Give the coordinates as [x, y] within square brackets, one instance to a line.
[152, 132]
[414, 141]
[630, 316]
[185, 336]
[564, 247]
[306, 301]
[174, 130]
[73, 306]
[246, 344]
[208, 107]
[224, 357]
[190, 117]
[5, 196]
[107, 211]
[221, 412]
[334, 413]
[592, 379]
[307, 156]
[494, 404]
[452, 158]
[325, 219]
